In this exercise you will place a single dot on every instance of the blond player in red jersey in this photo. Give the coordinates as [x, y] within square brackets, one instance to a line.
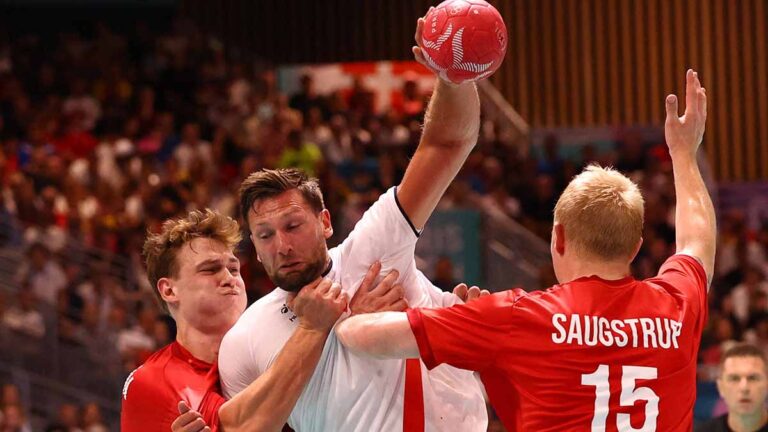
[600, 351]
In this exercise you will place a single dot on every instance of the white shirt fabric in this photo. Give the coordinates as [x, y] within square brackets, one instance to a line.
[347, 392]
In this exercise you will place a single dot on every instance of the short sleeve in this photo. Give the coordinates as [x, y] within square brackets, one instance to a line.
[237, 368]
[384, 234]
[684, 276]
[466, 336]
[147, 403]
[209, 409]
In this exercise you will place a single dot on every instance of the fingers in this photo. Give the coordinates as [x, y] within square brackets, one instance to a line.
[386, 284]
[461, 291]
[703, 103]
[324, 286]
[690, 92]
[473, 293]
[484, 293]
[334, 291]
[373, 271]
[419, 28]
[183, 407]
[343, 300]
[398, 306]
[396, 293]
[189, 420]
[671, 104]
[419, 56]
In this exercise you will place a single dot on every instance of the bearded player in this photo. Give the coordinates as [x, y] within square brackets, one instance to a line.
[289, 226]
[601, 351]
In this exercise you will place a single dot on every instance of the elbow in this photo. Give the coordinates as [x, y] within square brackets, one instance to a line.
[228, 418]
[346, 332]
[352, 334]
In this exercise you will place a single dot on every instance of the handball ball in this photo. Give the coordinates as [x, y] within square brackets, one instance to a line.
[464, 40]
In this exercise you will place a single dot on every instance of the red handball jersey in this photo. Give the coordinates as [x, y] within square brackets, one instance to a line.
[152, 392]
[588, 355]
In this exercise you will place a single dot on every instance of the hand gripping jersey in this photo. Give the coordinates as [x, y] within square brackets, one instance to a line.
[347, 392]
[152, 392]
[588, 355]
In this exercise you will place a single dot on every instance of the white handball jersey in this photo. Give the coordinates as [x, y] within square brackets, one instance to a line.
[347, 392]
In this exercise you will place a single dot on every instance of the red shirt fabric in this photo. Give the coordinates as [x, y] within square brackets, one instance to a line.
[152, 392]
[546, 369]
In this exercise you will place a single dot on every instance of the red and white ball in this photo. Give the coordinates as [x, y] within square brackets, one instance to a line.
[464, 40]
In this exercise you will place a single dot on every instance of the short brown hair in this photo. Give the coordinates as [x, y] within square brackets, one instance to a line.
[160, 249]
[743, 350]
[268, 183]
[601, 211]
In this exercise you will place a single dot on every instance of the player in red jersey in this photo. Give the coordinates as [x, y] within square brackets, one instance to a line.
[192, 264]
[600, 351]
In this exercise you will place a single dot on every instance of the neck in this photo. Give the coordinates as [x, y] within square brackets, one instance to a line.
[603, 270]
[203, 346]
[748, 422]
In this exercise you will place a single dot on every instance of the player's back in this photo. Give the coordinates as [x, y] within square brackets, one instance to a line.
[606, 355]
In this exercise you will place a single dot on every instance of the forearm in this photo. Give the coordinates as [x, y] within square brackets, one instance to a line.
[451, 126]
[267, 402]
[695, 222]
[383, 335]
[453, 115]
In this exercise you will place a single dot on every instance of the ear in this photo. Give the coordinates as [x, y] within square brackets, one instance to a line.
[167, 290]
[558, 238]
[637, 249]
[325, 217]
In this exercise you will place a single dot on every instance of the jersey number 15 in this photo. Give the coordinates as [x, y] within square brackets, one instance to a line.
[629, 396]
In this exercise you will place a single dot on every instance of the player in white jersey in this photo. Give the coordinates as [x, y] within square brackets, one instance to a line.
[289, 227]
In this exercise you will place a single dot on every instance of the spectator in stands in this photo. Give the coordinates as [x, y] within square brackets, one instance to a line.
[24, 317]
[743, 384]
[92, 418]
[14, 419]
[307, 99]
[43, 274]
[301, 154]
[11, 395]
[67, 420]
[137, 341]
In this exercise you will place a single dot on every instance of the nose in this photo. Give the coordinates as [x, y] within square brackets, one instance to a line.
[283, 244]
[229, 278]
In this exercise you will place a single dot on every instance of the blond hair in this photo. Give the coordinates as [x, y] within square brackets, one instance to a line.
[601, 212]
[161, 249]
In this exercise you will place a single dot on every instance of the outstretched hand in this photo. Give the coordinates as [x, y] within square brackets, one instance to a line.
[684, 134]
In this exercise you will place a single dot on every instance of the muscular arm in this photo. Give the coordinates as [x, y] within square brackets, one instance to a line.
[382, 335]
[267, 402]
[451, 126]
[695, 223]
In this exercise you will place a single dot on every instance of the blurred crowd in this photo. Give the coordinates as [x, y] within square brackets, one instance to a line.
[69, 418]
[105, 135]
